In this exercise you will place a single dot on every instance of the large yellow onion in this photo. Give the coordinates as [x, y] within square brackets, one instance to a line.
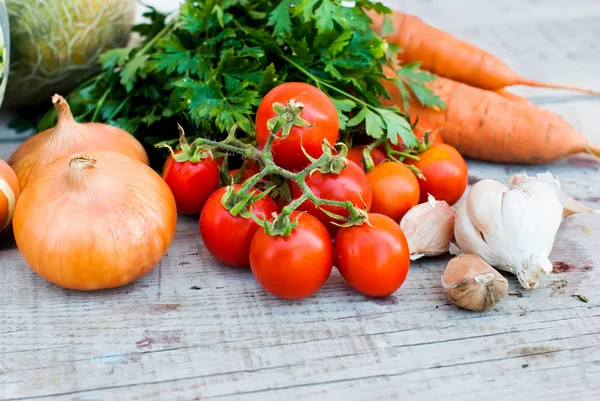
[67, 138]
[9, 193]
[94, 221]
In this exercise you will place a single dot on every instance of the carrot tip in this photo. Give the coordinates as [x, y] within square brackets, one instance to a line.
[593, 149]
[537, 84]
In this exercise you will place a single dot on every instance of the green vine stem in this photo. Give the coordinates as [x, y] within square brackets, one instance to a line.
[392, 154]
[238, 202]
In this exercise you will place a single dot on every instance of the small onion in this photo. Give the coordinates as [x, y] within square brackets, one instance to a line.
[67, 138]
[472, 284]
[9, 193]
[95, 221]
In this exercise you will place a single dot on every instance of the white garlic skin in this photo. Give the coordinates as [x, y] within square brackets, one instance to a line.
[471, 283]
[429, 228]
[512, 227]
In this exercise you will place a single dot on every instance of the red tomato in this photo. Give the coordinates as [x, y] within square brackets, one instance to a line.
[295, 266]
[248, 172]
[350, 184]
[228, 237]
[445, 172]
[191, 183]
[374, 259]
[318, 109]
[252, 165]
[355, 155]
[395, 189]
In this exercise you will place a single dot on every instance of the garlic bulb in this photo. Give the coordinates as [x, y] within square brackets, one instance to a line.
[472, 284]
[429, 228]
[512, 227]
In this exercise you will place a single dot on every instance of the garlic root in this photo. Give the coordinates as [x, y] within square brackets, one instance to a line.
[472, 284]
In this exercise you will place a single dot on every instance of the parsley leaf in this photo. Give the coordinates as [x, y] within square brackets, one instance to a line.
[131, 71]
[279, 18]
[114, 58]
[410, 76]
[324, 16]
[343, 106]
[388, 27]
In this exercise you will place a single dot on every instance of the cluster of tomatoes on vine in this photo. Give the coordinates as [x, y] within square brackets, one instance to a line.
[299, 205]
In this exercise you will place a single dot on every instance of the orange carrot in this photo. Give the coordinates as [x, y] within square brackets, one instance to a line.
[484, 125]
[511, 96]
[448, 56]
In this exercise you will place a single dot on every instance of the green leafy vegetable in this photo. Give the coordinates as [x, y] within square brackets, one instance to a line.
[209, 67]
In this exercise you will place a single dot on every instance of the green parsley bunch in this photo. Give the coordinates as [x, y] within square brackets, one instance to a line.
[209, 67]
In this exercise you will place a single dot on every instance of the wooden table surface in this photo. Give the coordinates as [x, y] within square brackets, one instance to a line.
[194, 329]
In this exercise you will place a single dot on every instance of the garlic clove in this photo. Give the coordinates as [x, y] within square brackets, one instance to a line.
[472, 284]
[484, 203]
[469, 238]
[429, 228]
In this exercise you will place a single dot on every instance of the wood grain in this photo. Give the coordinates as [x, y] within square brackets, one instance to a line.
[194, 329]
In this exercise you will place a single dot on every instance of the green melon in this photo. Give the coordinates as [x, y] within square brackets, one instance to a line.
[56, 43]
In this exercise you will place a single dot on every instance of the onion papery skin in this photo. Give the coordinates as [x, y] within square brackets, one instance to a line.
[9, 193]
[94, 226]
[69, 137]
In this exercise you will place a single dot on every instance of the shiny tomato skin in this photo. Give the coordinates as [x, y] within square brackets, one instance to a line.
[191, 183]
[296, 266]
[228, 237]
[446, 173]
[253, 165]
[248, 172]
[395, 189]
[373, 259]
[318, 109]
[355, 155]
[351, 184]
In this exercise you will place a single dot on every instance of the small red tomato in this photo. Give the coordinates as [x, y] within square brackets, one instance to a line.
[395, 189]
[252, 165]
[445, 171]
[295, 266]
[248, 172]
[355, 155]
[318, 110]
[373, 258]
[351, 184]
[191, 183]
[228, 237]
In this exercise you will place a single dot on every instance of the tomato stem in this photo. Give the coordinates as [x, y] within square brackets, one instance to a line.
[239, 202]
